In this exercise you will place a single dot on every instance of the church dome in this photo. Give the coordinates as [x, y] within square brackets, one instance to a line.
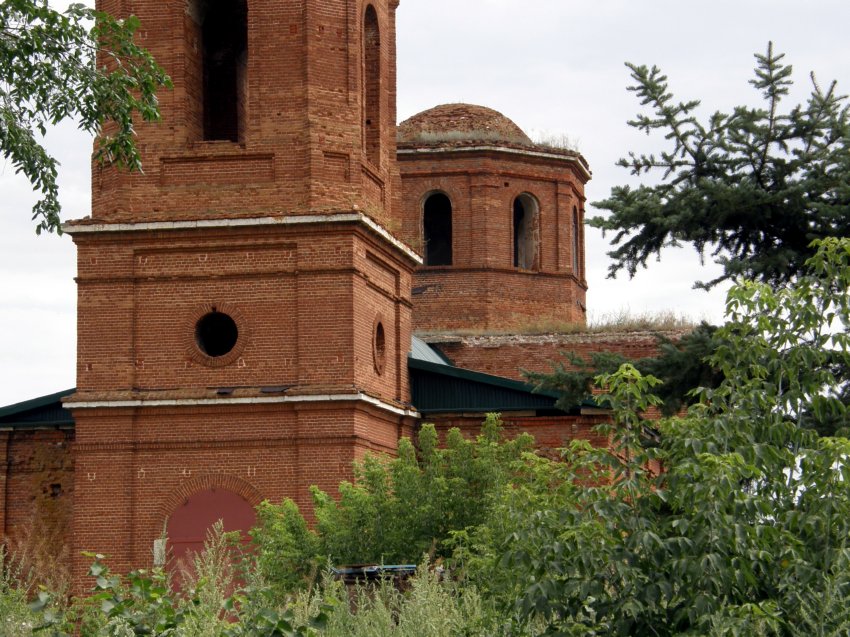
[460, 125]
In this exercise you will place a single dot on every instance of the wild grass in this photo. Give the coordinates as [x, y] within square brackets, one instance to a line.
[621, 322]
[16, 619]
[626, 321]
[40, 557]
[432, 606]
[555, 141]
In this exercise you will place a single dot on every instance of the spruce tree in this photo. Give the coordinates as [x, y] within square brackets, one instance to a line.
[753, 187]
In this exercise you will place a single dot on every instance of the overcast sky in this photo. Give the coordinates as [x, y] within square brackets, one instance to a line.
[553, 66]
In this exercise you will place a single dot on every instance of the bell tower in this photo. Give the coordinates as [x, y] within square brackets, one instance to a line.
[244, 310]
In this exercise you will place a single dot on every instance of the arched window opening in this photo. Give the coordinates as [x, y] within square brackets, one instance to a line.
[576, 242]
[372, 85]
[225, 61]
[525, 232]
[437, 226]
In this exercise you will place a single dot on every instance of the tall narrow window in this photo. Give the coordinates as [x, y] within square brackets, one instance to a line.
[437, 226]
[526, 212]
[372, 85]
[576, 242]
[225, 59]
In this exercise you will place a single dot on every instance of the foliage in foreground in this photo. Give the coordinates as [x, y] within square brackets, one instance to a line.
[144, 603]
[746, 530]
[81, 65]
[680, 365]
[396, 511]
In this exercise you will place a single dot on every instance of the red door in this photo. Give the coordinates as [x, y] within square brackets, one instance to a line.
[189, 524]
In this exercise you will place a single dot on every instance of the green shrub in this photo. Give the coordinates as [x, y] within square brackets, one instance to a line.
[396, 510]
[16, 619]
[287, 551]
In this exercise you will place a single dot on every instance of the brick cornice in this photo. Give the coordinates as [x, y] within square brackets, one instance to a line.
[573, 160]
[140, 403]
[88, 227]
[264, 442]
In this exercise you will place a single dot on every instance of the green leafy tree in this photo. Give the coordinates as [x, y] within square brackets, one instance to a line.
[755, 186]
[744, 532]
[397, 510]
[80, 65]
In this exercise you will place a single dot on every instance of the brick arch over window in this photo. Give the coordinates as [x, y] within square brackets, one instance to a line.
[526, 239]
[437, 228]
[372, 85]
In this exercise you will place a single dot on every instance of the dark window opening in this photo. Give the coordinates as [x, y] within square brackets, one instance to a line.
[437, 224]
[372, 85]
[55, 490]
[525, 231]
[225, 57]
[379, 345]
[576, 242]
[216, 334]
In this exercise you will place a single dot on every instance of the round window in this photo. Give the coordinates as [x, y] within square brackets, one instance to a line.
[379, 347]
[216, 334]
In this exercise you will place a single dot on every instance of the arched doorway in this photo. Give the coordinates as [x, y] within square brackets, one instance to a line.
[189, 523]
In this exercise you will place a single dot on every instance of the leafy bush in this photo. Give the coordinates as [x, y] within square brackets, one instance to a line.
[396, 511]
[745, 530]
[288, 552]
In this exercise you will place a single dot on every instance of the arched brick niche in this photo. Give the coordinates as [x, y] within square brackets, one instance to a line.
[198, 504]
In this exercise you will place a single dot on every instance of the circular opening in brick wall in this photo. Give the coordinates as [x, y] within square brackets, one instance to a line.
[379, 346]
[216, 334]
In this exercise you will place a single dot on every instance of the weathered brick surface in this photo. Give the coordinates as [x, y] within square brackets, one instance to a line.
[506, 355]
[125, 481]
[37, 483]
[302, 149]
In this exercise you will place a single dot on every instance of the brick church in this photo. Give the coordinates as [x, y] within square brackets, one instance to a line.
[294, 281]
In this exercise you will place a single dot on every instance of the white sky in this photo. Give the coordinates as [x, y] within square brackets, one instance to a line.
[553, 66]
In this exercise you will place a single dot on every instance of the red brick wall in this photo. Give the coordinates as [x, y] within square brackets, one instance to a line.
[4, 473]
[302, 150]
[304, 300]
[37, 485]
[466, 298]
[506, 355]
[130, 462]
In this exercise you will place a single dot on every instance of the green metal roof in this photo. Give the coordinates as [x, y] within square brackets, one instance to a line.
[438, 388]
[420, 350]
[44, 411]
[436, 384]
